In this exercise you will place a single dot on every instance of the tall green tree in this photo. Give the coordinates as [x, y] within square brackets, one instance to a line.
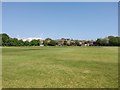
[20, 42]
[114, 41]
[47, 41]
[26, 43]
[15, 42]
[77, 43]
[0, 39]
[5, 38]
[65, 42]
[52, 43]
[35, 43]
[10, 42]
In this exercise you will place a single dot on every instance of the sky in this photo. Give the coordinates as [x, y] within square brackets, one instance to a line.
[60, 0]
[0, 17]
[76, 20]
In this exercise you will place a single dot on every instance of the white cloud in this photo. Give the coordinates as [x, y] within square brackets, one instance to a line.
[30, 39]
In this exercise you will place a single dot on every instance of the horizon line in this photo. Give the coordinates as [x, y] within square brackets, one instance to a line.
[55, 38]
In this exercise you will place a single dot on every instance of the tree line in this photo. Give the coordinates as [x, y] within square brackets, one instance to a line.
[108, 41]
[5, 40]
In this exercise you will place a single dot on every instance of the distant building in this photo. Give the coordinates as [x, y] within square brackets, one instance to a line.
[41, 42]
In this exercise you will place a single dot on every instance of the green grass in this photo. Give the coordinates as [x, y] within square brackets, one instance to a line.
[60, 67]
[0, 68]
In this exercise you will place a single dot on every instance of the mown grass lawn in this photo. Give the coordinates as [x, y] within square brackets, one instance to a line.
[60, 67]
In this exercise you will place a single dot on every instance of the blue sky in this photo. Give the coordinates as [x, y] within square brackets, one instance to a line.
[56, 20]
[0, 17]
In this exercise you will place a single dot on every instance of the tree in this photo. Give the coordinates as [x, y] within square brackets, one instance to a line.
[72, 43]
[118, 41]
[47, 41]
[102, 41]
[26, 43]
[52, 43]
[65, 42]
[114, 41]
[15, 42]
[0, 39]
[5, 38]
[10, 42]
[35, 43]
[62, 38]
[98, 41]
[110, 40]
[20, 43]
[77, 43]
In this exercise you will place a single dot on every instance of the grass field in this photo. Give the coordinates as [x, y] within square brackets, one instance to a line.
[60, 67]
